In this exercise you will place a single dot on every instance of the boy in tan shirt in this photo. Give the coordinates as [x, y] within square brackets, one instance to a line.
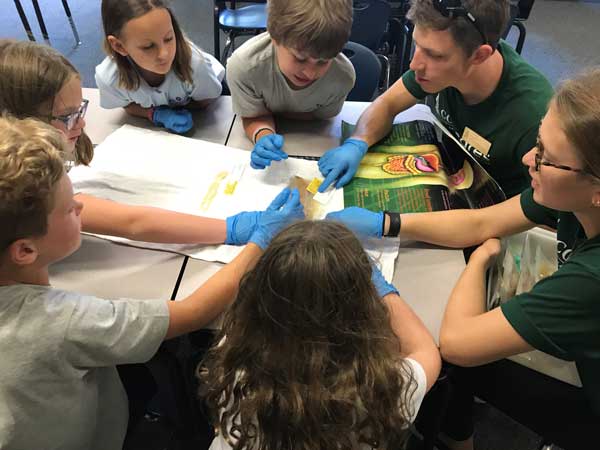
[295, 69]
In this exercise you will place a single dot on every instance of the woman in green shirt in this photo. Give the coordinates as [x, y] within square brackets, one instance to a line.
[561, 314]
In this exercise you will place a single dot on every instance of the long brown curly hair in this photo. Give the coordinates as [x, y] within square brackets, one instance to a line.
[306, 357]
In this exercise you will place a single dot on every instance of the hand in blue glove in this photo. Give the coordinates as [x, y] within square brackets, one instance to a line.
[383, 287]
[361, 221]
[285, 209]
[177, 120]
[241, 226]
[341, 163]
[266, 150]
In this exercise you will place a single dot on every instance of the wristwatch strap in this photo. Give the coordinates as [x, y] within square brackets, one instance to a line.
[395, 223]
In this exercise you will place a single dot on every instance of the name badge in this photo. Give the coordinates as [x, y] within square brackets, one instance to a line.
[477, 141]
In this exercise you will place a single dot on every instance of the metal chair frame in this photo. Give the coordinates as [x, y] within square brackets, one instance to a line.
[42, 24]
[231, 34]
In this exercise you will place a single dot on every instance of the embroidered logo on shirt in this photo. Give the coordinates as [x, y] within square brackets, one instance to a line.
[563, 251]
[179, 101]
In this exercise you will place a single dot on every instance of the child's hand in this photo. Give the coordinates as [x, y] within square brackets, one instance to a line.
[268, 148]
[361, 221]
[285, 209]
[177, 120]
[241, 226]
[383, 287]
[341, 163]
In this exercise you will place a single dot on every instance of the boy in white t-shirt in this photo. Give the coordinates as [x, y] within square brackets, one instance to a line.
[59, 385]
[295, 70]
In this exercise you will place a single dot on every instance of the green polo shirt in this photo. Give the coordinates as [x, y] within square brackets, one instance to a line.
[508, 119]
[561, 314]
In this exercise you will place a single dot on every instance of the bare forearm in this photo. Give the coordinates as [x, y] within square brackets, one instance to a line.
[462, 228]
[144, 223]
[469, 335]
[407, 326]
[159, 225]
[415, 340]
[136, 110]
[455, 228]
[253, 124]
[212, 298]
[374, 123]
[468, 296]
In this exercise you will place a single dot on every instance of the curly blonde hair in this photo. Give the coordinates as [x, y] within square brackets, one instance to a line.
[307, 359]
[31, 75]
[30, 167]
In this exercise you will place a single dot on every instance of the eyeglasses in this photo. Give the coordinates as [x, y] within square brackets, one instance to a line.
[70, 120]
[454, 9]
[539, 161]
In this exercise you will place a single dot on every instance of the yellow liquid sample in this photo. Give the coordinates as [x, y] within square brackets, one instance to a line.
[212, 191]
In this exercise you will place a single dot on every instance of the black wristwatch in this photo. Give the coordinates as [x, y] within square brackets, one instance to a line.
[395, 223]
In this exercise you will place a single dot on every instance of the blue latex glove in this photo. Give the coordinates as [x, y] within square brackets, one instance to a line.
[177, 120]
[266, 150]
[241, 226]
[285, 209]
[341, 163]
[361, 221]
[383, 287]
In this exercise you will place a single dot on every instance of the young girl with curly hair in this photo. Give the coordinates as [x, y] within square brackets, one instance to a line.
[318, 351]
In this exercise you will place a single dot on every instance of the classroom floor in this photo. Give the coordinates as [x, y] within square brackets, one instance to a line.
[560, 33]
[560, 41]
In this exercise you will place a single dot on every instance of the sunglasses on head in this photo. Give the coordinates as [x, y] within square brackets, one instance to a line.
[454, 9]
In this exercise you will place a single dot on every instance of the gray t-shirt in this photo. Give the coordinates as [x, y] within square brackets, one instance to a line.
[258, 87]
[59, 387]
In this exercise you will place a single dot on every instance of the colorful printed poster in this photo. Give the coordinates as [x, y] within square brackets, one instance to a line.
[410, 170]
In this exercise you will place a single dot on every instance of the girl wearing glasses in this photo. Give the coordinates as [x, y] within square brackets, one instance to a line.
[561, 313]
[152, 69]
[37, 81]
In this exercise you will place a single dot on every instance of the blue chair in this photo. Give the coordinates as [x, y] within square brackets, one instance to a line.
[370, 21]
[236, 22]
[368, 67]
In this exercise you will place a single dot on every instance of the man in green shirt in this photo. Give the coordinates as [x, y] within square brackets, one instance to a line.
[560, 315]
[478, 86]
